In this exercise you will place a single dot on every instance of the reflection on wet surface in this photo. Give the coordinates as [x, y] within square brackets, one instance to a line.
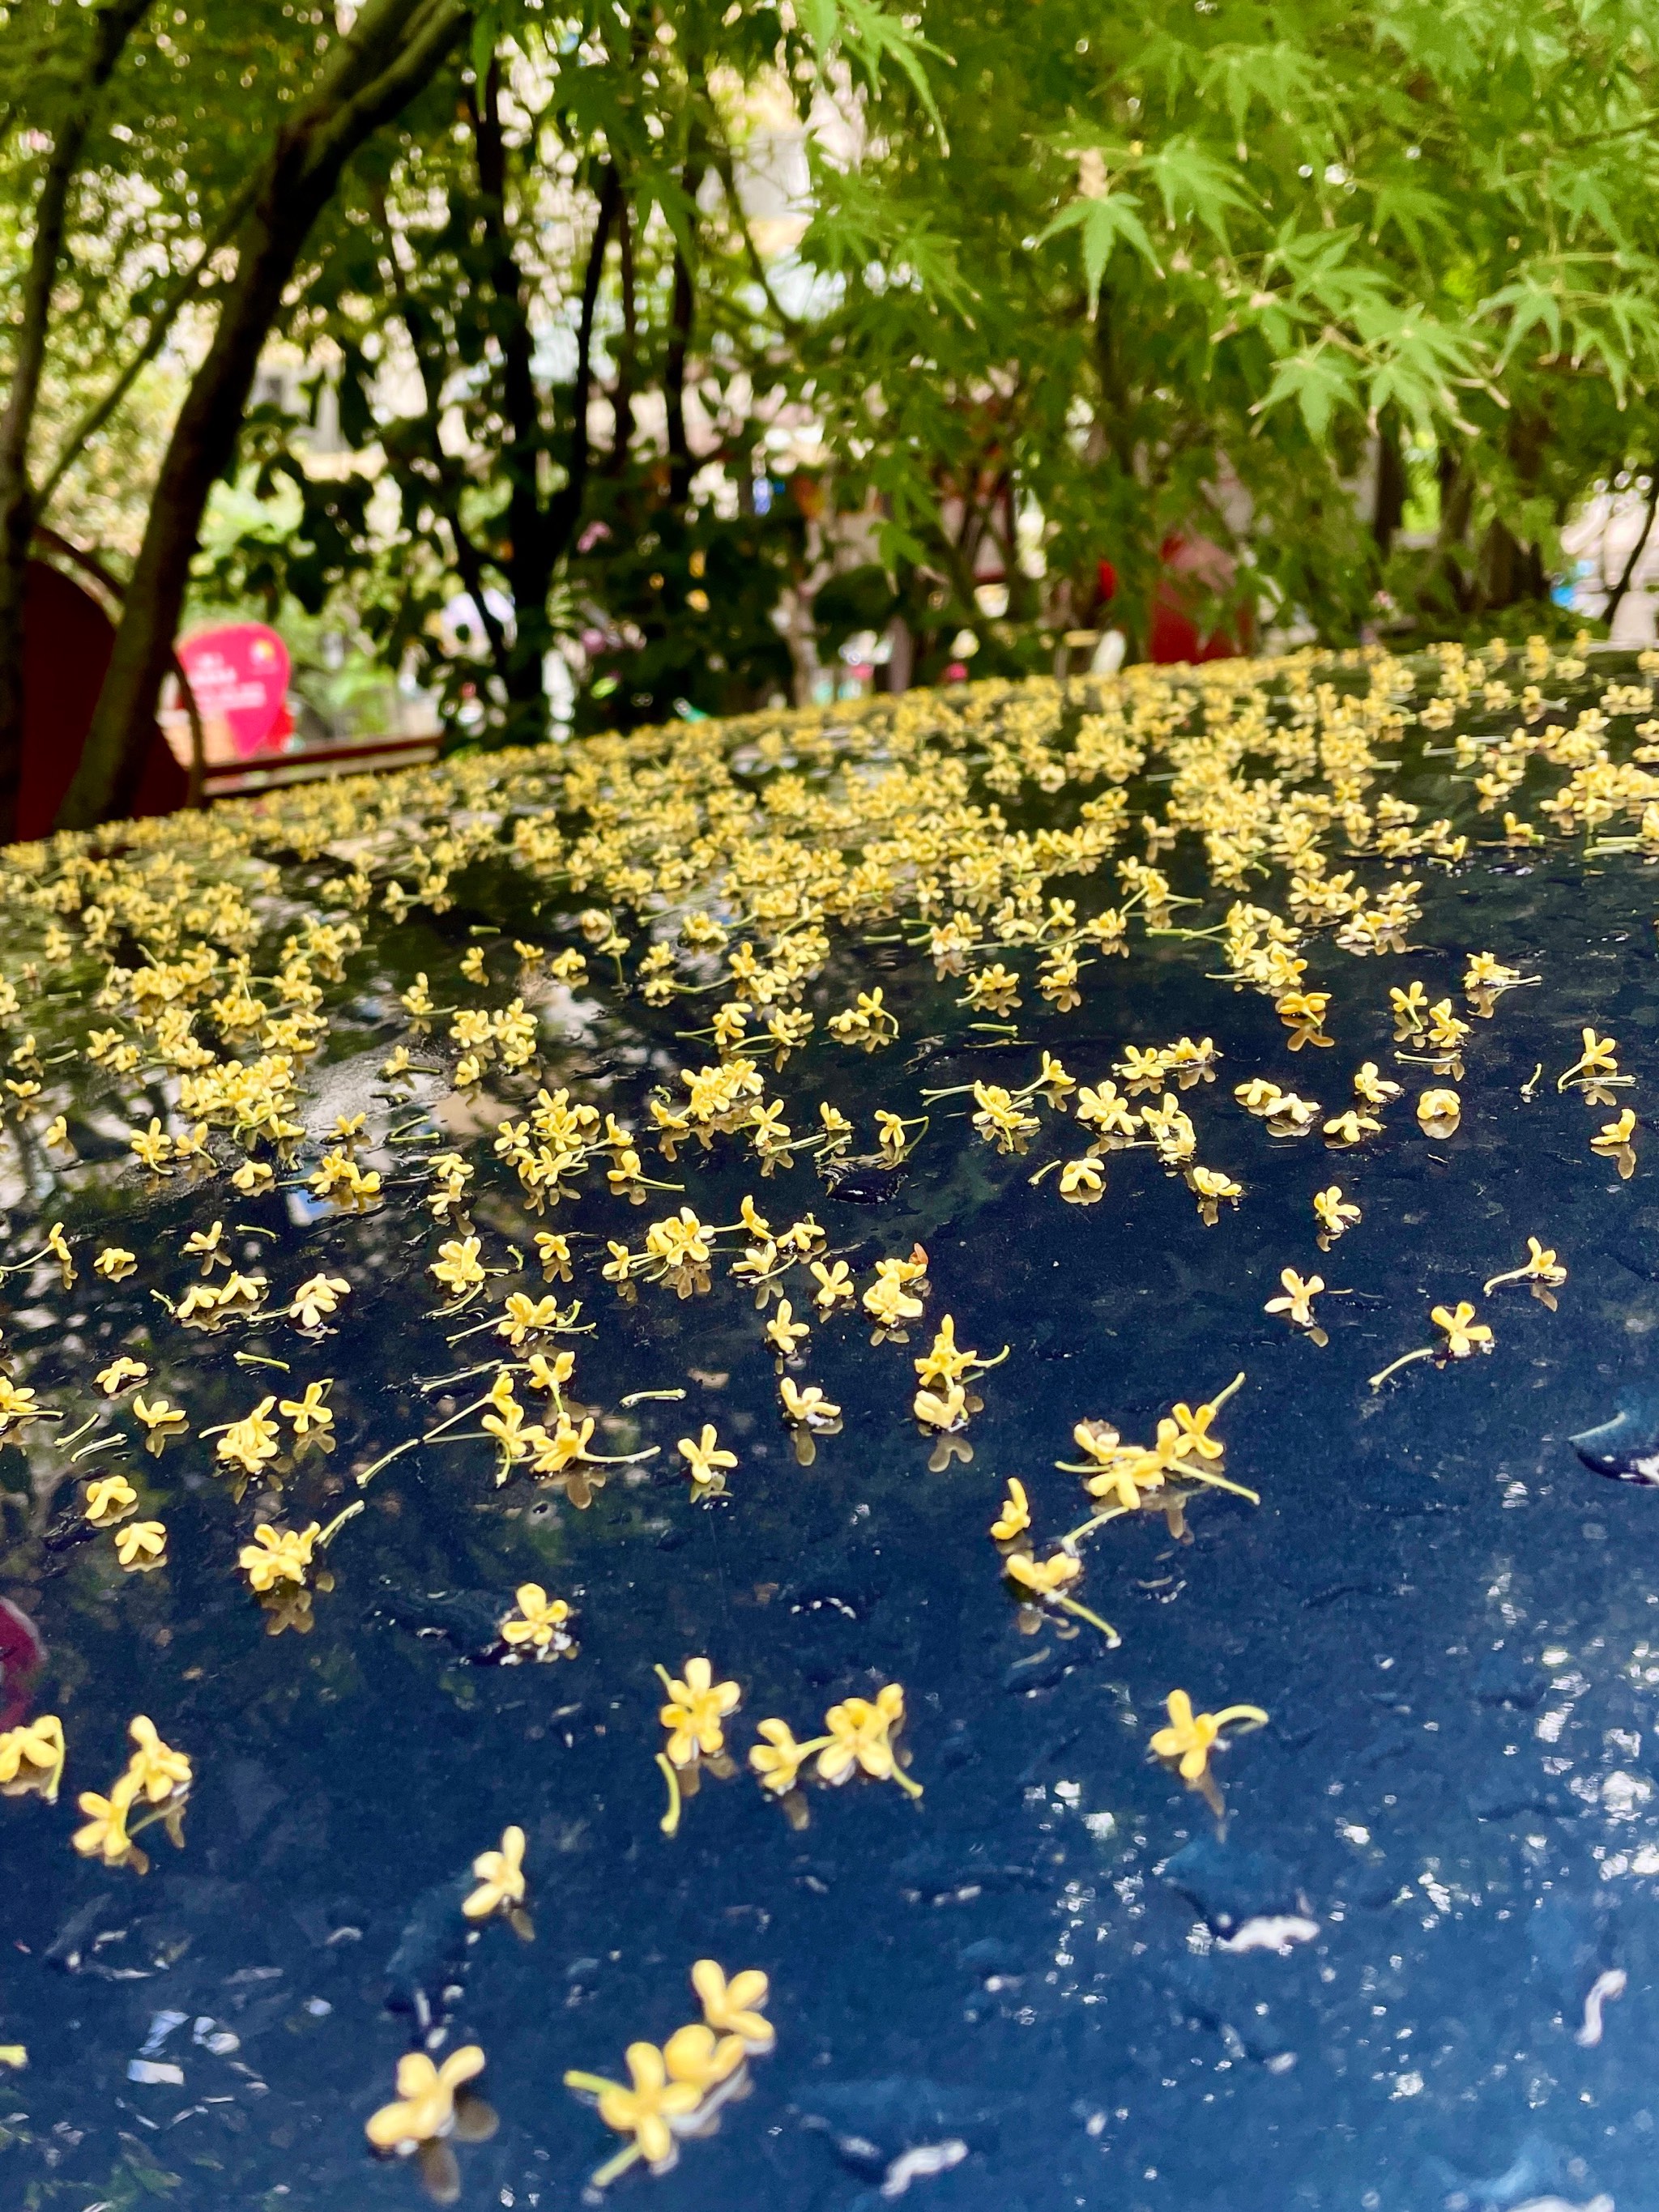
[1392, 1949]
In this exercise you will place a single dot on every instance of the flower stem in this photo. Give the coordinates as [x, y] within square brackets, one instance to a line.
[327, 1536]
[604, 2175]
[1222, 1397]
[454, 1418]
[595, 2084]
[1072, 1605]
[670, 1820]
[1214, 1482]
[384, 1460]
[116, 1436]
[1087, 1528]
[1427, 1352]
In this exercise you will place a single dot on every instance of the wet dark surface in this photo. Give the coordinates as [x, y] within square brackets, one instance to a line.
[1452, 1621]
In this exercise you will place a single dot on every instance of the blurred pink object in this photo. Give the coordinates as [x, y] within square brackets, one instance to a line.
[240, 675]
[21, 1654]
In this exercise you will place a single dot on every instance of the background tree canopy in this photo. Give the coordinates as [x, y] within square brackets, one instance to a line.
[691, 340]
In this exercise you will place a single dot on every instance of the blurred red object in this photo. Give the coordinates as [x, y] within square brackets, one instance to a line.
[67, 642]
[1193, 569]
[21, 1654]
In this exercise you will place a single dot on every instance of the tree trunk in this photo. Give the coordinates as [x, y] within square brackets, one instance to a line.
[390, 53]
[681, 468]
[1457, 503]
[1388, 502]
[537, 533]
[622, 399]
[526, 563]
[19, 509]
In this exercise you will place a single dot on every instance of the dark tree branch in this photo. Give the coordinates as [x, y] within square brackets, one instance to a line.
[565, 512]
[681, 468]
[114, 25]
[469, 560]
[622, 402]
[391, 51]
[1616, 596]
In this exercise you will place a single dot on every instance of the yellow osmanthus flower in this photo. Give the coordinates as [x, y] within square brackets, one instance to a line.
[1352, 1127]
[158, 1419]
[779, 1760]
[142, 1545]
[1438, 1112]
[944, 1412]
[1042, 1577]
[1190, 1737]
[945, 1360]
[1540, 1266]
[105, 1835]
[551, 1454]
[1487, 972]
[733, 2006]
[523, 1318]
[706, 1459]
[152, 1146]
[1464, 1335]
[784, 1332]
[208, 1245]
[252, 1442]
[17, 1403]
[554, 1253]
[836, 1285]
[1082, 1180]
[32, 1758]
[888, 1304]
[1015, 1516]
[695, 2056]
[646, 2111]
[278, 1555]
[121, 1371]
[1336, 1213]
[539, 1625]
[501, 1877]
[155, 1771]
[695, 1707]
[424, 2110]
[549, 1376]
[861, 1731]
[309, 1411]
[1614, 1136]
[1297, 1304]
[1598, 1061]
[1213, 1190]
[107, 1500]
[457, 1267]
[114, 1263]
[807, 1408]
[317, 1297]
[1372, 1088]
[1411, 1008]
[1259, 1096]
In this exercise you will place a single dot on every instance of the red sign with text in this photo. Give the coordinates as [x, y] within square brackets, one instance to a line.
[239, 677]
